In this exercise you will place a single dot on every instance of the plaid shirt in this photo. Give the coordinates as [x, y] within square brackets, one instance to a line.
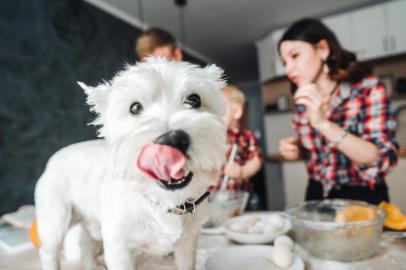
[362, 109]
[247, 149]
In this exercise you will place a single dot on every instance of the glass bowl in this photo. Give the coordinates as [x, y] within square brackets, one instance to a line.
[321, 229]
[224, 205]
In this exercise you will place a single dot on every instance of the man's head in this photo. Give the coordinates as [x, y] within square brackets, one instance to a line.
[235, 102]
[157, 42]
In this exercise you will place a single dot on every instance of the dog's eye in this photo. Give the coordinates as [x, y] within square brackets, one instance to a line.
[136, 108]
[193, 101]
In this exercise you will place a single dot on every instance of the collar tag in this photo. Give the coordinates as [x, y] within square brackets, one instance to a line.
[189, 206]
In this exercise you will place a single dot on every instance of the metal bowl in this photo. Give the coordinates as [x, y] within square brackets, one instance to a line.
[315, 230]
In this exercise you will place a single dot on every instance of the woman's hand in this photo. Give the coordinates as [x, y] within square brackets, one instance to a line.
[289, 148]
[316, 105]
[233, 170]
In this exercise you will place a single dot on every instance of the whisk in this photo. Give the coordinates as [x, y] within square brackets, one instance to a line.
[231, 159]
[222, 194]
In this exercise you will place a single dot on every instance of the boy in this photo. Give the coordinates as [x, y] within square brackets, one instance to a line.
[157, 42]
[248, 160]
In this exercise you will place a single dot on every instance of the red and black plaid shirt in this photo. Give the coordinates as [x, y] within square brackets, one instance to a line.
[247, 149]
[362, 109]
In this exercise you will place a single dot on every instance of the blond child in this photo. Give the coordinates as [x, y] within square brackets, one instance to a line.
[248, 160]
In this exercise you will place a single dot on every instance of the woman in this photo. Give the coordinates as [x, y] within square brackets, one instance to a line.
[343, 118]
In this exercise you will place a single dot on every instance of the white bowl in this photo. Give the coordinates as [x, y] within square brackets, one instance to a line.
[256, 238]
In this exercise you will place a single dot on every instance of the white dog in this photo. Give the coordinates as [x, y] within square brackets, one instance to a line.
[143, 188]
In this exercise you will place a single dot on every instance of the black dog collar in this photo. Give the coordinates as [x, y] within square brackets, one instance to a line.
[189, 206]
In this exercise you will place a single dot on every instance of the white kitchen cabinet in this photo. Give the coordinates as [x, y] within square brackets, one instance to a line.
[279, 67]
[295, 180]
[373, 32]
[379, 31]
[265, 59]
[397, 184]
[341, 25]
[396, 23]
[369, 32]
[277, 127]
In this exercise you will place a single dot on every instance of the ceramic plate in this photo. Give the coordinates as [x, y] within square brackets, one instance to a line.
[213, 230]
[247, 257]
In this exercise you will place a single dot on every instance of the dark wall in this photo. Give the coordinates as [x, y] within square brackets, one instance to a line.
[45, 47]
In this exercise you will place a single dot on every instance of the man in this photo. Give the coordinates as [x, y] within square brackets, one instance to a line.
[157, 42]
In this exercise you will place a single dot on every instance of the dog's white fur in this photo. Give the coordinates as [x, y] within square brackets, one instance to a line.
[97, 183]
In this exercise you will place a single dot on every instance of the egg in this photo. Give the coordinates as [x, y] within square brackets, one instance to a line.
[284, 240]
[269, 229]
[276, 221]
[239, 227]
[255, 229]
[282, 256]
[261, 224]
[270, 255]
[254, 219]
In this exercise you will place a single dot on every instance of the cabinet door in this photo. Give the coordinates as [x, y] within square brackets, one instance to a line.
[341, 26]
[295, 180]
[265, 60]
[279, 67]
[396, 19]
[370, 32]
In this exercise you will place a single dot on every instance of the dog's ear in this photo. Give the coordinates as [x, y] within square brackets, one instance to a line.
[96, 96]
[216, 74]
[97, 100]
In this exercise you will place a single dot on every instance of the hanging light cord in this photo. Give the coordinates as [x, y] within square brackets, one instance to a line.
[141, 11]
[182, 25]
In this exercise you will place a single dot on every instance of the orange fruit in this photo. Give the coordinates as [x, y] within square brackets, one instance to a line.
[395, 219]
[33, 233]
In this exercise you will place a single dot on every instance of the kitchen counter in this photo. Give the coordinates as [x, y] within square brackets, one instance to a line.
[392, 255]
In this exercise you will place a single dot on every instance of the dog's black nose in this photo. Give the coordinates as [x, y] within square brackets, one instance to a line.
[175, 138]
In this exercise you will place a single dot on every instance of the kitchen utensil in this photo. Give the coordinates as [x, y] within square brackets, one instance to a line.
[231, 204]
[315, 230]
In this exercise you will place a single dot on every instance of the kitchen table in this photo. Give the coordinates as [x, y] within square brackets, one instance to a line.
[391, 256]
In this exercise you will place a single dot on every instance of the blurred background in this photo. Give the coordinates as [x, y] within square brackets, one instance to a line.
[46, 46]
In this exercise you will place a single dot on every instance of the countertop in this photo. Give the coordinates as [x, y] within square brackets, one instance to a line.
[392, 255]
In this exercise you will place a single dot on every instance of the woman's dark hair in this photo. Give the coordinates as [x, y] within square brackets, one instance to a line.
[343, 65]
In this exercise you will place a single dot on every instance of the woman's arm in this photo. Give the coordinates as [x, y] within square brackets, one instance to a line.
[291, 149]
[243, 172]
[250, 168]
[356, 149]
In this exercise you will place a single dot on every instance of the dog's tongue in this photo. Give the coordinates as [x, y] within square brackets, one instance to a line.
[161, 161]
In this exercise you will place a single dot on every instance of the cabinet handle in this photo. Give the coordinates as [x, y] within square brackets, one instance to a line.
[385, 44]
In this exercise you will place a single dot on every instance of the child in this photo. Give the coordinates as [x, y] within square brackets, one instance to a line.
[157, 42]
[248, 160]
